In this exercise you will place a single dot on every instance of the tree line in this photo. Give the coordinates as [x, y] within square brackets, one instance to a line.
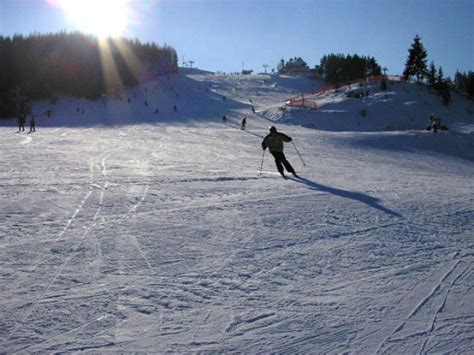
[339, 68]
[44, 66]
[416, 66]
[334, 68]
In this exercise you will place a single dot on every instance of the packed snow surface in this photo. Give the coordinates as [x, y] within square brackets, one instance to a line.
[124, 230]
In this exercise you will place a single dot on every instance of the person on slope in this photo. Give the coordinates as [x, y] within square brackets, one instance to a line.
[274, 142]
[32, 124]
[21, 122]
[243, 124]
[435, 124]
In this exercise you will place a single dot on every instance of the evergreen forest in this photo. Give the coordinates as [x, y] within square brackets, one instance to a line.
[44, 66]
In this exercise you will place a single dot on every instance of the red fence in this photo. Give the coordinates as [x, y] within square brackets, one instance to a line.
[301, 100]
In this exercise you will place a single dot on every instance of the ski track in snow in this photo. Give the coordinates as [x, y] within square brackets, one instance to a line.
[164, 237]
[26, 140]
[83, 239]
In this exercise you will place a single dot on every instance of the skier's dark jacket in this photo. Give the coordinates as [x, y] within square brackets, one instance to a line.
[274, 141]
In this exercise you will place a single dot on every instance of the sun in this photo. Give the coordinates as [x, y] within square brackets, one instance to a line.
[103, 18]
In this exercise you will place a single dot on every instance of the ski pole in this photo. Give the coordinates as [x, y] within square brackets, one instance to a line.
[298, 153]
[261, 164]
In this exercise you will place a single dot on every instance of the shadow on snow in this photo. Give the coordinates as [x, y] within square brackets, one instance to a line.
[357, 196]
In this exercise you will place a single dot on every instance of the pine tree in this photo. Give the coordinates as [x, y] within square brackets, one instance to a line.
[416, 61]
[281, 65]
[445, 92]
[442, 86]
[432, 75]
[464, 83]
[439, 77]
[460, 81]
[470, 85]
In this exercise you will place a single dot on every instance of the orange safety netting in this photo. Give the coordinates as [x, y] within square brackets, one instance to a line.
[301, 100]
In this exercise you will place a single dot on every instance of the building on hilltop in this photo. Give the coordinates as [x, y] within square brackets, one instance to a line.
[293, 66]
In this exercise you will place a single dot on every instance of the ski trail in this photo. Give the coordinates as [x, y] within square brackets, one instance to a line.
[199, 325]
[73, 131]
[133, 239]
[68, 223]
[228, 200]
[84, 200]
[431, 294]
[61, 335]
[76, 212]
[26, 140]
[85, 237]
[441, 307]
[420, 304]
[140, 201]
[50, 284]
[136, 244]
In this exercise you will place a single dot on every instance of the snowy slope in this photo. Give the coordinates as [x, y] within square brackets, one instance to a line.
[163, 236]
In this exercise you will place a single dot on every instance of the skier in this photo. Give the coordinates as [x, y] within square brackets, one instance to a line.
[32, 124]
[224, 119]
[274, 141]
[21, 122]
[435, 124]
[243, 124]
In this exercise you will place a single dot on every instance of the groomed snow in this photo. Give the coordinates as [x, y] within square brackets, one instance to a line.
[122, 230]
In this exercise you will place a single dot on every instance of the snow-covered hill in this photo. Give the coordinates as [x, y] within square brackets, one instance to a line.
[124, 230]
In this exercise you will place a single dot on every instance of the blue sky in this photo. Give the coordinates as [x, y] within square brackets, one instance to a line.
[224, 34]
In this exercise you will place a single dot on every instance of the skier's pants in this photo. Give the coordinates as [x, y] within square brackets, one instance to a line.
[280, 160]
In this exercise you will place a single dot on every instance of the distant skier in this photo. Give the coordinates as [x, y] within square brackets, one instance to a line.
[436, 124]
[175, 108]
[32, 124]
[274, 142]
[243, 124]
[157, 111]
[253, 109]
[224, 119]
[21, 123]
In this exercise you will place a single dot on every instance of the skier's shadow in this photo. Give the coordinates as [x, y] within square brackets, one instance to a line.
[368, 200]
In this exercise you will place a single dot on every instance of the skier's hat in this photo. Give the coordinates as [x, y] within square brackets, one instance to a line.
[272, 129]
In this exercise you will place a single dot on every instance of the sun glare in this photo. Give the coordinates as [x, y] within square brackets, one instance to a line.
[102, 18]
